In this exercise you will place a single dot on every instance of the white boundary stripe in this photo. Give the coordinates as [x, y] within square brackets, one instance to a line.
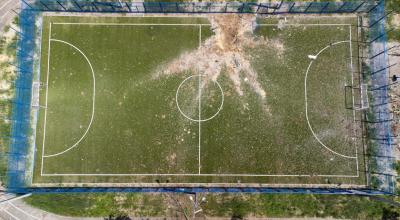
[306, 102]
[352, 94]
[199, 108]
[199, 123]
[13, 216]
[23, 211]
[299, 24]
[5, 4]
[132, 24]
[93, 99]
[202, 174]
[47, 92]
[182, 174]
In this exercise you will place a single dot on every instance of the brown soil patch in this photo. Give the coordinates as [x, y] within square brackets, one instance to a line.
[224, 52]
[394, 92]
[395, 20]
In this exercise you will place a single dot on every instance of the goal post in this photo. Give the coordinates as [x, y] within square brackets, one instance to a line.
[356, 98]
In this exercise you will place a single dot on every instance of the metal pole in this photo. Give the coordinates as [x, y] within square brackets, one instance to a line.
[76, 3]
[27, 4]
[383, 69]
[358, 7]
[380, 19]
[375, 6]
[44, 5]
[384, 51]
[326, 5]
[309, 5]
[290, 9]
[340, 8]
[381, 35]
[93, 3]
[61, 5]
[129, 8]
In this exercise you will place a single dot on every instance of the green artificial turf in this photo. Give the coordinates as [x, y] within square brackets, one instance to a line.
[137, 131]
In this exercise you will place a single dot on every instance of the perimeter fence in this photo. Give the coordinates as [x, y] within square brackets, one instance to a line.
[199, 7]
[378, 118]
[379, 170]
[21, 126]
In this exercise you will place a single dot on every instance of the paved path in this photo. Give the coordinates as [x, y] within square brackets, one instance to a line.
[6, 13]
[19, 210]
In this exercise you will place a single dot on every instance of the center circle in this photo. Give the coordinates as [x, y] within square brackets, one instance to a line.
[192, 87]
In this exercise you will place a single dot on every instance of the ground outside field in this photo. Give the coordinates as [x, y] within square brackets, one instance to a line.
[156, 100]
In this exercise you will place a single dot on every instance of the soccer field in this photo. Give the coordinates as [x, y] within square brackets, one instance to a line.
[121, 103]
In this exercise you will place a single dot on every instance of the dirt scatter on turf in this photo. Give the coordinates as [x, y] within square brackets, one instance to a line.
[224, 52]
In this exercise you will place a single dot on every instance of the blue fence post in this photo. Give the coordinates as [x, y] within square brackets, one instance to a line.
[384, 51]
[94, 5]
[290, 9]
[373, 8]
[112, 7]
[258, 7]
[384, 16]
[358, 7]
[323, 8]
[27, 4]
[339, 10]
[44, 5]
[161, 7]
[129, 7]
[76, 3]
[309, 5]
[61, 5]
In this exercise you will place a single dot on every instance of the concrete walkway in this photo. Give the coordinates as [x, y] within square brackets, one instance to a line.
[19, 210]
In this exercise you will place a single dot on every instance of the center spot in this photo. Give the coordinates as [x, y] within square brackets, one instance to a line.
[199, 99]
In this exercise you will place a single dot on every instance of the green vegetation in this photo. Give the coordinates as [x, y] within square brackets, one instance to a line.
[217, 205]
[8, 43]
[103, 205]
[135, 111]
[394, 7]
[336, 206]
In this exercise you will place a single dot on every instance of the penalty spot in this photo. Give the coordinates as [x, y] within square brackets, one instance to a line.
[312, 57]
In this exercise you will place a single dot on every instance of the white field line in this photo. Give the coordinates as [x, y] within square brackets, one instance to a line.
[93, 99]
[199, 156]
[9, 213]
[352, 94]
[200, 36]
[23, 211]
[47, 93]
[1, 17]
[129, 24]
[180, 174]
[195, 174]
[5, 4]
[306, 102]
[299, 24]
[179, 15]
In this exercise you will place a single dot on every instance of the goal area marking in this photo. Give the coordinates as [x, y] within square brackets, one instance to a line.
[178, 174]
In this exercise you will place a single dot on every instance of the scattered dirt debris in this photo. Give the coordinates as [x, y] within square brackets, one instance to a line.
[224, 52]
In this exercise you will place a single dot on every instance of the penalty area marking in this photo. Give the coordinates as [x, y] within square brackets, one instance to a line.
[306, 101]
[93, 101]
